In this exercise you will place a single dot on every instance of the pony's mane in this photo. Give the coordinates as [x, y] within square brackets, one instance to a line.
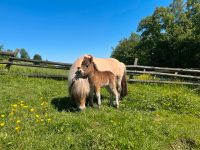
[95, 66]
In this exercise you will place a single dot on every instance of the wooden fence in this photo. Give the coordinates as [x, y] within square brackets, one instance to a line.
[187, 76]
[32, 63]
[160, 74]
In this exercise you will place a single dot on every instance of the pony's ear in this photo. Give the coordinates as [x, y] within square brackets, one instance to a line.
[87, 56]
[91, 58]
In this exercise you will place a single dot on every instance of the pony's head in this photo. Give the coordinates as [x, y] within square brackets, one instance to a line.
[87, 66]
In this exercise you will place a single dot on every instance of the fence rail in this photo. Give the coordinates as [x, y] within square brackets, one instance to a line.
[133, 72]
[163, 82]
[31, 65]
[163, 68]
[39, 62]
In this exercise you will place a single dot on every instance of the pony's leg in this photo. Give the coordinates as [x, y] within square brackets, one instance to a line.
[115, 92]
[82, 103]
[98, 95]
[91, 97]
[119, 87]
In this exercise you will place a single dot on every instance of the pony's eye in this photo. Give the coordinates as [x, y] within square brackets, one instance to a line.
[87, 66]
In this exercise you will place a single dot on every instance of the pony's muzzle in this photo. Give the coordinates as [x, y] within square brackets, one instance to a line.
[79, 70]
[80, 73]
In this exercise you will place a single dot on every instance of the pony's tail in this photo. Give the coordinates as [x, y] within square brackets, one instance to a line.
[124, 90]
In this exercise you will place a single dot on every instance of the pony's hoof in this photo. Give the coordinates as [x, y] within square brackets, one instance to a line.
[92, 105]
[115, 104]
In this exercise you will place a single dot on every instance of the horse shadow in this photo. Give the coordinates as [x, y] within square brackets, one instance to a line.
[68, 105]
[64, 104]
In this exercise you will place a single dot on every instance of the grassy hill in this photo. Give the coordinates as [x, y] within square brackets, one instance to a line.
[38, 114]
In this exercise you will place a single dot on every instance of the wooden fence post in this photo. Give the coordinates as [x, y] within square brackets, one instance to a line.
[136, 61]
[10, 60]
[135, 64]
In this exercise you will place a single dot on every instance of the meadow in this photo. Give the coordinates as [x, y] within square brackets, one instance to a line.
[38, 114]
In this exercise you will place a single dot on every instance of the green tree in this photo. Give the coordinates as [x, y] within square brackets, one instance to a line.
[37, 57]
[170, 37]
[125, 51]
[24, 53]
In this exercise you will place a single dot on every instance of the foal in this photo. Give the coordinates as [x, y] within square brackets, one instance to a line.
[98, 79]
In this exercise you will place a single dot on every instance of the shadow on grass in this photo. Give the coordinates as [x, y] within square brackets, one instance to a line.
[64, 104]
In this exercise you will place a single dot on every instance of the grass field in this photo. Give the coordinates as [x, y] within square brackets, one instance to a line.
[37, 114]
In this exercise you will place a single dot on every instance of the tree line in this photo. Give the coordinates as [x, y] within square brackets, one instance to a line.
[170, 37]
[22, 53]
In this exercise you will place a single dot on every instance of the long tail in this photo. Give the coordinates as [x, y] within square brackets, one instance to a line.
[124, 90]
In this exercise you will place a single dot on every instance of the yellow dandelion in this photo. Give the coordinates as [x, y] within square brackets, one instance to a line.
[25, 106]
[2, 116]
[18, 121]
[22, 104]
[14, 105]
[49, 119]
[37, 116]
[17, 128]
[41, 120]
[2, 124]
[22, 101]
[37, 120]
[32, 110]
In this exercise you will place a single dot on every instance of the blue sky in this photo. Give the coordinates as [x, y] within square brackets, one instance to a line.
[62, 30]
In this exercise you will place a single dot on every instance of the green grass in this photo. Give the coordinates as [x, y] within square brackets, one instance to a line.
[39, 115]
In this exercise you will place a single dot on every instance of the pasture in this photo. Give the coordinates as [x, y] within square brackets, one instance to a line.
[37, 114]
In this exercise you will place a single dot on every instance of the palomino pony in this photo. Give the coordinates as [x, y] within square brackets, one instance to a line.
[98, 79]
[79, 88]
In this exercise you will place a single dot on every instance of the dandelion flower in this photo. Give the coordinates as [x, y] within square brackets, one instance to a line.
[32, 110]
[14, 105]
[25, 106]
[17, 128]
[22, 105]
[37, 116]
[2, 124]
[22, 101]
[18, 121]
[2, 116]
[49, 119]
[41, 120]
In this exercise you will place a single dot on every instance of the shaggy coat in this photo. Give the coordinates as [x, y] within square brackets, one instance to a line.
[79, 88]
